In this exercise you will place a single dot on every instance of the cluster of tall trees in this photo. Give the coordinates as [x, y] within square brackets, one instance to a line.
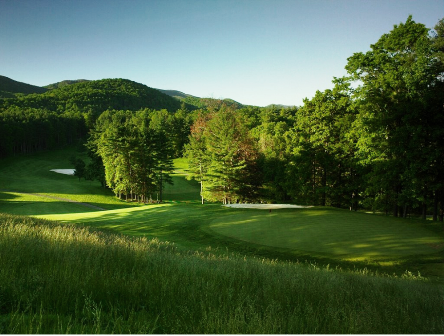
[375, 141]
[137, 149]
[223, 157]
[27, 130]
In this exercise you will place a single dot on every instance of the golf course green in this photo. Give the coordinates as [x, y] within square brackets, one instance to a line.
[337, 232]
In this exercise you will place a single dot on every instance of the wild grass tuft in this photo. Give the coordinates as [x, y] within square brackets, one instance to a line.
[58, 278]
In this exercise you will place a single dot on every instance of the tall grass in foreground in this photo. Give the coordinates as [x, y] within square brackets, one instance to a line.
[66, 279]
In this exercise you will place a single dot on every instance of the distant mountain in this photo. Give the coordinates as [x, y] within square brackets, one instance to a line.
[201, 102]
[97, 96]
[120, 94]
[61, 84]
[9, 88]
[280, 106]
[211, 102]
[176, 94]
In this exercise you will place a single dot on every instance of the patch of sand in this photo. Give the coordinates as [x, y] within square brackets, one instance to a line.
[64, 171]
[267, 206]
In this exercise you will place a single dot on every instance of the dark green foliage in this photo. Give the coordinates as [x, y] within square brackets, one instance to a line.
[26, 130]
[61, 84]
[136, 151]
[9, 88]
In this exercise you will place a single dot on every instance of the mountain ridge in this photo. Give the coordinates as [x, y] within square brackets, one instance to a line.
[9, 88]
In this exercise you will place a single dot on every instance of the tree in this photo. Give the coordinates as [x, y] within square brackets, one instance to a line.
[199, 159]
[79, 167]
[400, 102]
[223, 158]
[163, 155]
[322, 168]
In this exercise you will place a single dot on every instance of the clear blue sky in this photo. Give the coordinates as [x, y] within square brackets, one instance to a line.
[257, 52]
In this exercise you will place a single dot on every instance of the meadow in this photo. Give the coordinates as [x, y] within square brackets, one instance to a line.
[183, 267]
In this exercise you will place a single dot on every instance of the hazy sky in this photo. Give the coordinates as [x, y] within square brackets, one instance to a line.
[256, 52]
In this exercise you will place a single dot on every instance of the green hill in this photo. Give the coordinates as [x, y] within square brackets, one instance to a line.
[176, 94]
[97, 96]
[199, 102]
[211, 102]
[63, 116]
[9, 88]
[64, 83]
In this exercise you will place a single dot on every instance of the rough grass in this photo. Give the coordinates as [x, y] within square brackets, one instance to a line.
[67, 279]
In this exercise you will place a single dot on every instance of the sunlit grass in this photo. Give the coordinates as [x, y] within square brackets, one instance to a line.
[330, 231]
[68, 279]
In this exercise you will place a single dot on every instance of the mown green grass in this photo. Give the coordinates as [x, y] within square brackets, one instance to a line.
[351, 235]
[68, 279]
[31, 174]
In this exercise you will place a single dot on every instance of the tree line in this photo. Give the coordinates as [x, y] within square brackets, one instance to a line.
[137, 149]
[374, 141]
[64, 116]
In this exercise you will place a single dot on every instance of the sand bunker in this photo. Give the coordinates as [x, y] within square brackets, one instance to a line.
[267, 206]
[64, 171]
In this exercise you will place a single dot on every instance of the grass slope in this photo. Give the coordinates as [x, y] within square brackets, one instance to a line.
[68, 279]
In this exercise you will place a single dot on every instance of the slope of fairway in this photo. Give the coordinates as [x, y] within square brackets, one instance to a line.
[29, 187]
[329, 231]
[32, 174]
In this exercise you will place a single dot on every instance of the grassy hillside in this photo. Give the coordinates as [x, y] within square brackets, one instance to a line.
[339, 237]
[63, 83]
[68, 279]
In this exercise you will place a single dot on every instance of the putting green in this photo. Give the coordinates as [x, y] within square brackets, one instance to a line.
[335, 232]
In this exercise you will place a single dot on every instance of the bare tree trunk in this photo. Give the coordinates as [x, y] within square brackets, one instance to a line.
[161, 187]
[201, 191]
[435, 206]
[324, 186]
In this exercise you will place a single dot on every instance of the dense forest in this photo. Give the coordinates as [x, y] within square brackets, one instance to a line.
[374, 141]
